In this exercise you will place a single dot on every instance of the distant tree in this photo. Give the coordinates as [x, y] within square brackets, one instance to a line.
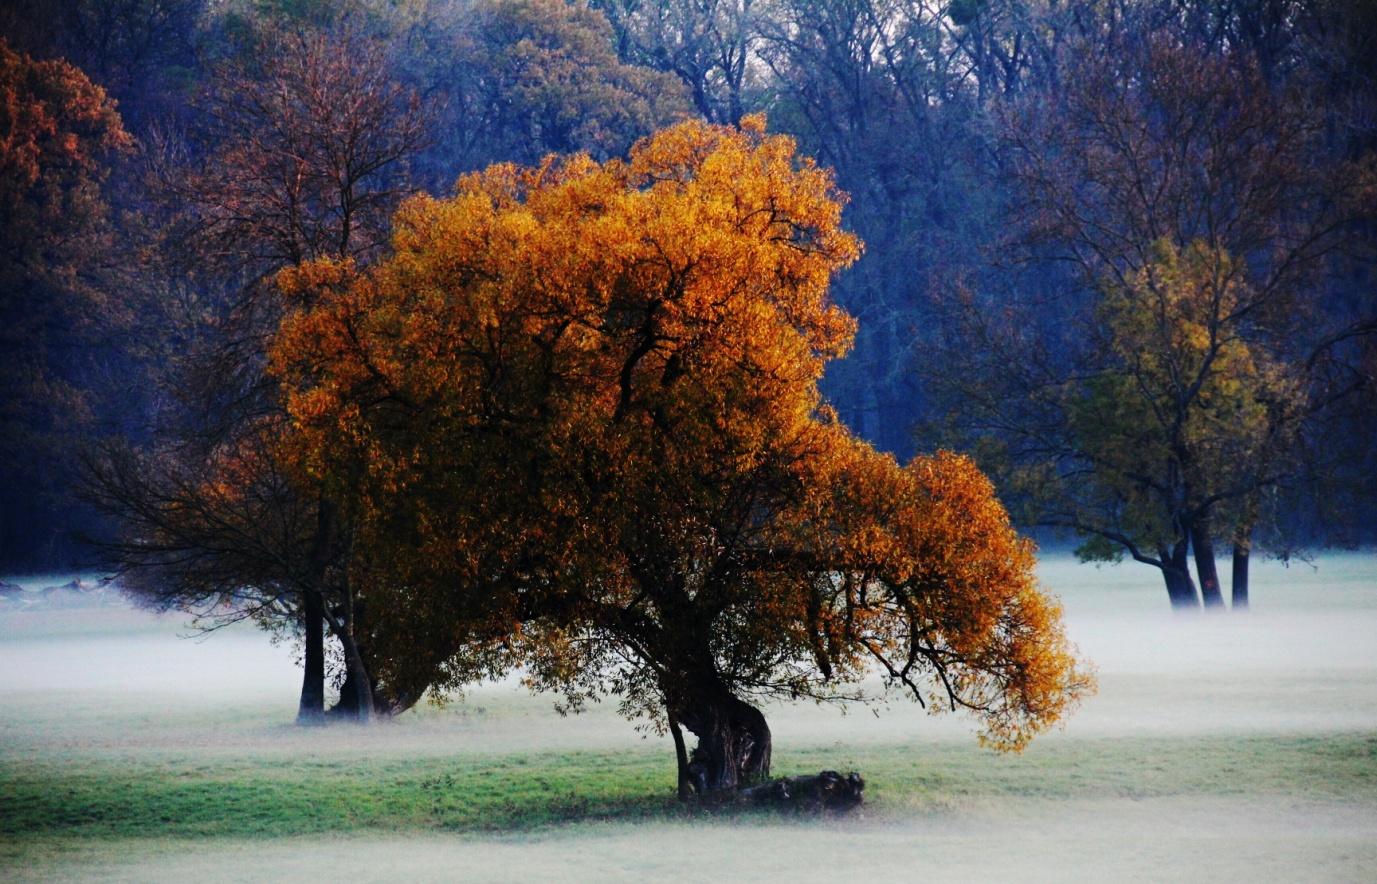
[1179, 364]
[1183, 423]
[308, 140]
[523, 78]
[144, 53]
[306, 144]
[575, 423]
[875, 91]
[709, 45]
[59, 136]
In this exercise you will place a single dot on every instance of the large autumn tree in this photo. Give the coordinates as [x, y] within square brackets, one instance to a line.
[574, 422]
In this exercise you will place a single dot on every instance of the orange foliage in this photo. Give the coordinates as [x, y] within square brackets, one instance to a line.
[574, 421]
[57, 130]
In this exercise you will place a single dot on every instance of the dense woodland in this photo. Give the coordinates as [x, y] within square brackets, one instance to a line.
[1117, 254]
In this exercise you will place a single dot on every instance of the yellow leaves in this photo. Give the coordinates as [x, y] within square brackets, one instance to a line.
[1187, 379]
[943, 571]
[302, 281]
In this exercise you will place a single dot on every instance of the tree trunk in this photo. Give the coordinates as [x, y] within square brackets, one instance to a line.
[356, 694]
[381, 704]
[313, 604]
[1243, 548]
[312, 708]
[358, 683]
[1203, 544]
[347, 706]
[681, 758]
[734, 744]
[1177, 574]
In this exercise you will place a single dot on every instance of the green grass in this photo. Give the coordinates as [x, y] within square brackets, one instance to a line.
[522, 792]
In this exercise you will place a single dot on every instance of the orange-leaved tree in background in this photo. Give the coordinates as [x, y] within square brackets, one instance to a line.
[60, 292]
[575, 423]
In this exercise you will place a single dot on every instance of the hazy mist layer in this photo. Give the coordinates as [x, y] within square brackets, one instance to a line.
[123, 683]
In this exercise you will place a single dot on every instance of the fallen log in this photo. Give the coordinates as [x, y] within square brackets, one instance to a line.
[829, 790]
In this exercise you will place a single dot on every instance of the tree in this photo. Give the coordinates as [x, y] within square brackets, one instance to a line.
[708, 44]
[574, 421]
[59, 137]
[523, 78]
[1177, 363]
[1187, 421]
[306, 150]
[309, 137]
[142, 52]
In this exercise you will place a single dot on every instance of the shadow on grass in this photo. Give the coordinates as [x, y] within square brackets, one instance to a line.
[519, 793]
[247, 798]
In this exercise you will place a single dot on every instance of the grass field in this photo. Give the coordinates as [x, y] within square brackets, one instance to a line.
[1219, 747]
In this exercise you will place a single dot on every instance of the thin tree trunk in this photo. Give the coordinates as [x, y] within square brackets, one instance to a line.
[356, 695]
[1203, 544]
[313, 614]
[312, 707]
[354, 662]
[347, 705]
[1243, 549]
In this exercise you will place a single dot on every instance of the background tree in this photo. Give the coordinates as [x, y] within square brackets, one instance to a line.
[1197, 211]
[59, 138]
[308, 144]
[576, 423]
[143, 53]
[523, 78]
[708, 44]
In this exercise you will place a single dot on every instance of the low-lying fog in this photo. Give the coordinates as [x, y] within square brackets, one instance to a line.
[1304, 660]
[1156, 840]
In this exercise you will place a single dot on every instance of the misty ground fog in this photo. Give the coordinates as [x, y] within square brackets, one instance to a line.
[126, 685]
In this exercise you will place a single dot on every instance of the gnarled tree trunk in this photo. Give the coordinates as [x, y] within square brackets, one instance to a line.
[734, 743]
